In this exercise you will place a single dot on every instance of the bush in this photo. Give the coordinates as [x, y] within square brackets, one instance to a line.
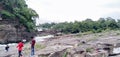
[89, 49]
[6, 15]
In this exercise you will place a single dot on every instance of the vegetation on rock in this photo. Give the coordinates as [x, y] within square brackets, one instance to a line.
[18, 9]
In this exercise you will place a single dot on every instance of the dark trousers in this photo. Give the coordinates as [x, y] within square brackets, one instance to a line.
[19, 53]
[32, 50]
[6, 50]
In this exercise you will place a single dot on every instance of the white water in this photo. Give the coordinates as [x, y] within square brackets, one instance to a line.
[42, 38]
[116, 50]
[37, 38]
[11, 44]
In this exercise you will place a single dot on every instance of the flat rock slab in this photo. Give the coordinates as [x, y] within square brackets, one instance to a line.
[52, 49]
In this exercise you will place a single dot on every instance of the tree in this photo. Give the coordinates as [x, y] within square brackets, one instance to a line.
[111, 23]
[87, 25]
[17, 9]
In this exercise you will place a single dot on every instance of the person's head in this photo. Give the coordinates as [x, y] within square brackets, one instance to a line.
[32, 37]
[20, 41]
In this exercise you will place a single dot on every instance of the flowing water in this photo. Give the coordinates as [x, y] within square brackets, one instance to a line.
[13, 49]
[37, 38]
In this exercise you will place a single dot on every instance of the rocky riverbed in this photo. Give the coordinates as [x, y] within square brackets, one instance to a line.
[72, 45]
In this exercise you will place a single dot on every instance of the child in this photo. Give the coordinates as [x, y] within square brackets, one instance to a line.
[20, 47]
[7, 48]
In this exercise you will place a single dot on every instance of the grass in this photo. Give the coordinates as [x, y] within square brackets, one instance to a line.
[84, 33]
[27, 48]
[118, 33]
[102, 33]
[89, 50]
[39, 46]
[65, 54]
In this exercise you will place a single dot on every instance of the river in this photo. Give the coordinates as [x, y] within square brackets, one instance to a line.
[37, 38]
[42, 38]
[13, 49]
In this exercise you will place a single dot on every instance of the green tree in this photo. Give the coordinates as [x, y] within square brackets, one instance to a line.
[111, 23]
[87, 25]
[17, 9]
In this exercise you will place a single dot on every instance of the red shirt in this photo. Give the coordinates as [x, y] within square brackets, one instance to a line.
[20, 46]
[33, 42]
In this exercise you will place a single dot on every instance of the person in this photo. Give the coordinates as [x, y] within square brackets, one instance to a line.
[20, 47]
[7, 48]
[32, 46]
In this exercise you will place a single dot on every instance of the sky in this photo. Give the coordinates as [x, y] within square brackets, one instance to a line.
[74, 10]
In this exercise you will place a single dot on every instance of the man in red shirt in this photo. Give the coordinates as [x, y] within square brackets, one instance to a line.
[20, 47]
[32, 46]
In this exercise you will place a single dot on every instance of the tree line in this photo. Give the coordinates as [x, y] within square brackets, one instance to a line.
[84, 26]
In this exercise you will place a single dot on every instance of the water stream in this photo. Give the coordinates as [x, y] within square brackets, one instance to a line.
[37, 38]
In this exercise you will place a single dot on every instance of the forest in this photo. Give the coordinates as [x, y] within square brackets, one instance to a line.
[85, 26]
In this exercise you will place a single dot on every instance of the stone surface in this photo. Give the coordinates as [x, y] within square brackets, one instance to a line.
[12, 31]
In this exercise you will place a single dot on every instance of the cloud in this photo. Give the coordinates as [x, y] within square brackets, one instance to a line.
[71, 10]
[114, 15]
[114, 4]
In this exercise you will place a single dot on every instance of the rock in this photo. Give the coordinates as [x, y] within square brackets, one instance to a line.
[11, 31]
[97, 54]
[58, 53]
[76, 52]
[53, 51]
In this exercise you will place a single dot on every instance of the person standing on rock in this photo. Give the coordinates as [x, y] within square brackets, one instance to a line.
[32, 46]
[20, 47]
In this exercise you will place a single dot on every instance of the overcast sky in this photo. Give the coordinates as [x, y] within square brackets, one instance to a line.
[71, 10]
